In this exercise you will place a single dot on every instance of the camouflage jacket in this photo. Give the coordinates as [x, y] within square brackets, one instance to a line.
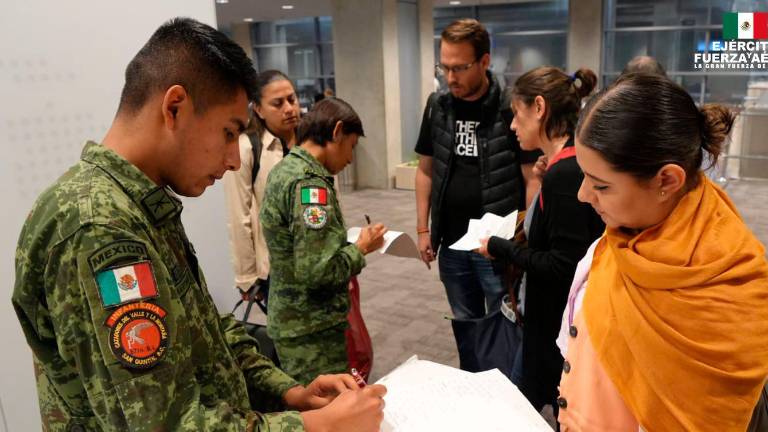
[310, 259]
[116, 310]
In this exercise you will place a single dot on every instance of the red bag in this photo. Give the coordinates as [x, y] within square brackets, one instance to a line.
[359, 345]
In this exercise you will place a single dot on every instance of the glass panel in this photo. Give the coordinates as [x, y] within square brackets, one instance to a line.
[515, 55]
[543, 15]
[445, 16]
[674, 49]
[284, 31]
[647, 13]
[297, 61]
[721, 6]
[728, 89]
[326, 29]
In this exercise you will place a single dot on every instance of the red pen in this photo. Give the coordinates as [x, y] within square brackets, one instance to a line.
[358, 378]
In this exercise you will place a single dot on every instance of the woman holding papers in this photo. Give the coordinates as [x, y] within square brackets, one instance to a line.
[546, 103]
[669, 333]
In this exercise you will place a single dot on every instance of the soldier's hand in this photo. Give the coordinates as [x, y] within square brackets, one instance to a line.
[371, 238]
[323, 390]
[352, 411]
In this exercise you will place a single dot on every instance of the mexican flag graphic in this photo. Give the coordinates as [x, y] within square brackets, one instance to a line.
[314, 195]
[123, 284]
[739, 25]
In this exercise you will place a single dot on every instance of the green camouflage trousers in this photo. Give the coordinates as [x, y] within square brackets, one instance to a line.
[306, 357]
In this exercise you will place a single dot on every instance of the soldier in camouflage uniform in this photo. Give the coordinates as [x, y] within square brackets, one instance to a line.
[123, 331]
[311, 260]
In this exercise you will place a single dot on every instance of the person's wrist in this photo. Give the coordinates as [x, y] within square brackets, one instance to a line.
[423, 230]
[314, 421]
[294, 397]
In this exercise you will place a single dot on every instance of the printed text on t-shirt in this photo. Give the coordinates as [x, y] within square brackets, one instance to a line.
[466, 138]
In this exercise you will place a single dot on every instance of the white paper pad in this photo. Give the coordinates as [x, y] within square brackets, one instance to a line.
[487, 226]
[426, 396]
[395, 243]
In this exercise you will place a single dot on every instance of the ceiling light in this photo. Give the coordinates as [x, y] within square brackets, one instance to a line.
[248, 19]
[287, 7]
[222, 1]
[454, 3]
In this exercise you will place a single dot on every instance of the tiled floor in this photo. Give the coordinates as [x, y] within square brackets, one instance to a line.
[404, 304]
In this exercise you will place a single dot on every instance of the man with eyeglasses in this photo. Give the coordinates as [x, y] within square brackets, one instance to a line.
[469, 164]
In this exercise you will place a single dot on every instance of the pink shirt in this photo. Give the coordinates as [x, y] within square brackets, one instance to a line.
[588, 399]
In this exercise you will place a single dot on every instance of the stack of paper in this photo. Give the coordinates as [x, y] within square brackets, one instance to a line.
[423, 396]
[487, 226]
[395, 243]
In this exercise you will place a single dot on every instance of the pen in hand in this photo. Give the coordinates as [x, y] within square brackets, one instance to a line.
[367, 219]
[358, 378]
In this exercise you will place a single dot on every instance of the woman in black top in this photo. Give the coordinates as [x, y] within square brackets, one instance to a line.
[546, 103]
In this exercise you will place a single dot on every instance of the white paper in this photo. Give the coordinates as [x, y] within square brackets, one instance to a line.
[395, 243]
[426, 396]
[487, 226]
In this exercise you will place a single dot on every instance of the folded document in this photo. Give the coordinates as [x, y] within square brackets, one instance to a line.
[423, 396]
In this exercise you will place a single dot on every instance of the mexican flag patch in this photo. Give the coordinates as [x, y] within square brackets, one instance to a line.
[120, 285]
[314, 195]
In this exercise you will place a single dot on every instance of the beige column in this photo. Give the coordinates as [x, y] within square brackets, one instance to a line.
[585, 34]
[241, 34]
[365, 53]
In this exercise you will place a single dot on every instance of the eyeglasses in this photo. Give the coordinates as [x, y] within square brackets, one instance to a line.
[443, 70]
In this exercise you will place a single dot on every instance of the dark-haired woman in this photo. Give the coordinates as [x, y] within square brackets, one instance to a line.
[310, 258]
[546, 103]
[669, 332]
[269, 138]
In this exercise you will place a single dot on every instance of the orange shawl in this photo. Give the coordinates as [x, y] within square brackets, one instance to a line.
[678, 316]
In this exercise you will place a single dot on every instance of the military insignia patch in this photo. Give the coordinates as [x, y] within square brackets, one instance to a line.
[315, 217]
[314, 195]
[119, 285]
[138, 335]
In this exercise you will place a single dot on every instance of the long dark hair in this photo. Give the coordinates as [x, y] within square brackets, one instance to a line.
[562, 93]
[644, 121]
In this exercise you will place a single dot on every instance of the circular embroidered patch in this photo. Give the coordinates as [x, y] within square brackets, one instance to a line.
[315, 217]
[138, 335]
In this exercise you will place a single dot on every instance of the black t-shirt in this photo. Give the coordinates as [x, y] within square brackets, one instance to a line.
[462, 200]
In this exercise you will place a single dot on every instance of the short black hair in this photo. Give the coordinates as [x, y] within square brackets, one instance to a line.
[183, 51]
[319, 123]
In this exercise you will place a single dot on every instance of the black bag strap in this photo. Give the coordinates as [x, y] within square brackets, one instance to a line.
[256, 150]
[251, 300]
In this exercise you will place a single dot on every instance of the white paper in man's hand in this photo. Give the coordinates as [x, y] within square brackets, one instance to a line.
[396, 243]
[487, 226]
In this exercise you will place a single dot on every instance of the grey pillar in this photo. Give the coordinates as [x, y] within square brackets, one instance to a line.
[585, 34]
[366, 64]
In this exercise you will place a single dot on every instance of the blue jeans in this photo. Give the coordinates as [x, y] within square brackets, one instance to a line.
[470, 284]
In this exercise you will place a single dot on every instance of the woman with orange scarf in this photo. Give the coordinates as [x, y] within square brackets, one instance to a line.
[667, 315]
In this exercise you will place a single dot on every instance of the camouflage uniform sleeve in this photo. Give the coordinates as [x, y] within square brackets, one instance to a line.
[269, 383]
[167, 394]
[322, 254]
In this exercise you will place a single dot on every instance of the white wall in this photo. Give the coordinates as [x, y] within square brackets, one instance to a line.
[61, 72]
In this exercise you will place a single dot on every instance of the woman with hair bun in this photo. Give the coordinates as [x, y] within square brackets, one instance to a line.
[669, 332]
[546, 104]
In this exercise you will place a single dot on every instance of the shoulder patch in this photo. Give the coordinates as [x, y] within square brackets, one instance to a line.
[127, 283]
[315, 217]
[116, 251]
[314, 195]
[138, 335]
